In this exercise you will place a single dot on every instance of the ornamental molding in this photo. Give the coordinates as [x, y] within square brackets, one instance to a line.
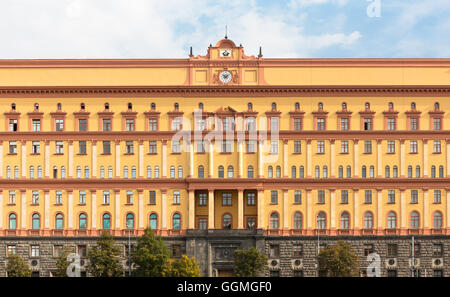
[220, 91]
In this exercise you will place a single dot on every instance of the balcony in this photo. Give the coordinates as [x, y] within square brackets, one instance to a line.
[33, 232]
[414, 231]
[391, 231]
[368, 231]
[58, 232]
[297, 232]
[437, 231]
[321, 231]
[344, 232]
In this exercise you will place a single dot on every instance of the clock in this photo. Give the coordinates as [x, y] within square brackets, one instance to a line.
[225, 53]
[225, 76]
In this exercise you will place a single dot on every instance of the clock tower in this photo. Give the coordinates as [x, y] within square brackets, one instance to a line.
[225, 64]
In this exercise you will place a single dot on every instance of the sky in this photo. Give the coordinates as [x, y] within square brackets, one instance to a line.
[79, 29]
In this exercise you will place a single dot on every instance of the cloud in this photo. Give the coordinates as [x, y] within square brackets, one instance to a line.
[305, 3]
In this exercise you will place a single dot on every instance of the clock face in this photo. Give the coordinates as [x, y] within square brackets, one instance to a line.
[225, 53]
[225, 76]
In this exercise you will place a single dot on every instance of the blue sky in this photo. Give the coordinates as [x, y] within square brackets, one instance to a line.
[167, 28]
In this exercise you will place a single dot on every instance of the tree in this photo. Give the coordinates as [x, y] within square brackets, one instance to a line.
[62, 263]
[184, 267]
[249, 263]
[17, 267]
[150, 255]
[338, 260]
[104, 258]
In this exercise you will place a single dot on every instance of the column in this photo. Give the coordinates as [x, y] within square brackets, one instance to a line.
[402, 219]
[240, 209]
[260, 158]
[24, 159]
[332, 167]
[164, 211]
[70, 162]
[211, 216]
[309, 215]
[355, 157]
[93, 210]
[332, 212]
[447, 157]
[164, 159]
[117, 210]
[402, 159]
[69, 212]
[241, 158]
[425, 158]
[379, 159]
[191, 209]
[285, 212]
[379, 211]
[46, 212]
[1, 158]
[47, 159]
[23, 215]
[285, 158]
[426, 215]
[94, 158]
[140, 211]
[261, 209]
[141, 158]
[308, 159]
[191, 159]
[356, 216]
[211, 159]
[117, 165]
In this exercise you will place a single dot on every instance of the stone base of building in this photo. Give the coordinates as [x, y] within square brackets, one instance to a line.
[213, 249]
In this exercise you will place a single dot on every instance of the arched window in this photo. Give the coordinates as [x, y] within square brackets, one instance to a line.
[201, 171]
[433, 171]
[364, 171]
[227, 224]
[302, 171]
[106, 106]
[102, 171]
[55, 172]
[8, 172]
[59, 222]
[270, 171]
[436, 106]
[200, 106]
[250, 173]
[63, 172]
[82, 106]
[230, 172]
[110, 172]
[31, 171]
[250, 106]
[130, 221]
[437, 220]
[367, 105]
[58, 106]
[172, 171]
[321, 220]
[391, 105]
[12, 221]
[221, 172]
[176, 221]
[344, 106]
[413, 106]
[392, 220]
[39, 171]
[86, 172]
[341, 172]
[345, 221]
[368, 220]
[13, 106]
[153, 106]
[106, 223]
[274, 106]
[176, 106]
[274, 221]
[387, 171]
[278, 171]
[294, 172]
[82, 221]
[130, 106]
[317, 172]
[320, 105]
[372, 171]
[297, 220]
[395, 171]
[16, 171]
[125, 172]
[156, 171]
[133, 172]
[36, 106]
[180, 171]
[417, 171]
[349, 171]
[297, 106]
[410, 171]
[441, 171]
[415, 220]
[153, 221]
[36, 221]
[149, 171]
[325, 171]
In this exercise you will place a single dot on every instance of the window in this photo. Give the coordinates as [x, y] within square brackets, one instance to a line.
[130, 221]
[367, 124]
[344, 124]
[58, 197]
[341, 172]
[302, 172]
[35, 197]
[274, 197]
[387, 171]
[437, 196]
[227, 221]
[172, 171]
[297, 197]
[82, 251]
[414, 123]
[417, 171]
[12, 221]
[344, 147]
[368, 147]
[34, 251]
[129, 148]
[368, 196]
[437, 220]
[441, 171]
[321, 196]
[153, 221]
[320, 124]
[176, 221]
[344, 196]
[176, 147]
[297, 250]
[16, 171]
[86, 172]
[368, 249]
[414, 220]
[438, 273]
[414, 196]
[278, 169]
[250, 172]
[82, 197]
[201, 171]
[437, 147]
[251, 124]
[274, 147]
[391, 196]
[251, 146]
[325, 171]
[392, 220]
[345, 221]
[152, 147]
[433, 171]
[293, 172]
[106, 125]
[129, 197]
[106, 221]
[35, 221]
[297, 124]
[391, 124]
[297, 147]
[368, 220]
[106, 197]
[13, 125]
[274, 251]
[413, 147]
[176, 197]
[152, 124]
[436, 124]
[152, 197]
[392, 250]
[274, 221]
[391, 147]
[12, 197]
[202, 224]
[364, 171]
[274, 124]
[297, 220]
[200, 146]
[31, 171]
[230, 172]
[226, 199]
[13, 147]
[321, 220]
[202, 199]
[110, 172]
[349, 171]
[36, 125]
[59, 147]
[129, 124]
[82, 147]
[11, 250]
[395, 171]
[251, 199]
[106, 147]
[82, 125]
[176, 124]
[59, 222]
[438, 249]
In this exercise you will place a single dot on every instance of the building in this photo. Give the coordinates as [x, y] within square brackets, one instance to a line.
[227, 151]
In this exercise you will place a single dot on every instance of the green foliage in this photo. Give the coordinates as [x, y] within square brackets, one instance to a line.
[150, 256]
[184, 267]
[338, 260]
[104, 258]
[17, 267]
[249, 263]
[62, 263]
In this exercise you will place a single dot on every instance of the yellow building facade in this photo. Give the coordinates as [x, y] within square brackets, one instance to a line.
[225, 141]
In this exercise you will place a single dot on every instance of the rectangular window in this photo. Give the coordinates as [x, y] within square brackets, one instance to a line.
[129, 197]
[320, 196]
[82, 147]
[175, 251]
[251, 146]
[82, 251]
[202, 199]
[438, 273]
[413, 147]
[344, 196]
[201, 124]
[274, 197]
[437, 196]
[152, 148]
[414, 196]
[34, 251]
[368, 197]
[320, 147]
[129, 147]
[320, 124]
[297, 147]
[202, 224]
[58, 198]
[176, 124]
[12, 197]
[106, 147]
[251, 199]
[59, 125]
[391, 124]
[35, 198]
[129, 124]
[106, 197]
[297, 124]
[437, 123]
[344, 147]
[298, 197]
[344, 124]
[368, 249]
[36, 125]
[274, 147]
[367, 147]
[59, 147]
[82, 197]
[391, 147]
[438, 250]
[82, 125]
[12, 125]
[152, 197]
[176, 148]
[297, 250]
[391, 196]
[274, 251]
[437, 147]
[106, 125]
[251, 124]
[413, 123]
[11, 250]
[226, 146]
[367, 124]
[274, 124]
[200, 146]
[13, 147]
[416, 250]
[36, 147]
[226, 199]
[392, 250]
[153, 125]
